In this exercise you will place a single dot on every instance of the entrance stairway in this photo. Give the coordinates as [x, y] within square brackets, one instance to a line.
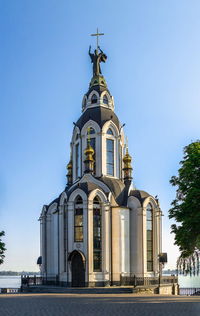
[77, 290]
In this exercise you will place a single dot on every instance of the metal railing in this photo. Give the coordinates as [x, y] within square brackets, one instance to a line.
[147, 281]
[129, 280]
[27, 280]
[190, 291]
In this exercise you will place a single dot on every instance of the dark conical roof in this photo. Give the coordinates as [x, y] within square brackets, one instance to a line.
[98, 114]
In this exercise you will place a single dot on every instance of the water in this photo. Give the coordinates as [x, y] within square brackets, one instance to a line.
[8, 281]
[189, 281]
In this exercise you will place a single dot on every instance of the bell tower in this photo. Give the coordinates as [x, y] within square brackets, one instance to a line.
[97, 129]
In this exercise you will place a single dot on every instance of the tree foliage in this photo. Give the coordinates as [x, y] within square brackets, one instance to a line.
[186, 206]
[2, 248]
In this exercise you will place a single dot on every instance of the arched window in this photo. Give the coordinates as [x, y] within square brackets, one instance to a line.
[110, 156]
[109, 131]
[78, 220]
[90, 130]
[149, 229]
[105, 99]
[94, 99]
[97, 236]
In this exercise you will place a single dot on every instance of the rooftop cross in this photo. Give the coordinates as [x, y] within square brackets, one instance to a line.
[126, 144]
[88, 132]
[97, 35]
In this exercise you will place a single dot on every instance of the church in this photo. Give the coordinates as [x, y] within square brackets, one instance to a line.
[100, 231]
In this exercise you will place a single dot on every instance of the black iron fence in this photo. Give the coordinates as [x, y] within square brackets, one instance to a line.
[125, 279]
[27, 280]
[147, 281]
[190, 291]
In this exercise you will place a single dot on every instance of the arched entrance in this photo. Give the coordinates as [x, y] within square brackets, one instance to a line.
[78, 268]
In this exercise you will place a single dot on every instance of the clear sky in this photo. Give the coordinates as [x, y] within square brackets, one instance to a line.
[152, 70]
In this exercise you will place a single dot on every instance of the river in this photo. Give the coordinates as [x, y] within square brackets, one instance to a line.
[10, 281]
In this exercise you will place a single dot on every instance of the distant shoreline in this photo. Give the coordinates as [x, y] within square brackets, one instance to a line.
[13, 273]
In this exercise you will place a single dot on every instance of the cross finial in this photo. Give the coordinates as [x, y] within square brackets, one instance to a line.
[88, 132]
[97, 35]
[126, 144]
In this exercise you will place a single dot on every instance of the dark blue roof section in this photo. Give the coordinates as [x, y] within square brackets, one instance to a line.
[117, 188]
[98, 114]
[140, 195]
[87, 187]
[99, 89]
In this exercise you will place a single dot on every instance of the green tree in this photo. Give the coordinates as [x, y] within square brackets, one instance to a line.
[2, 248]
[186, 206]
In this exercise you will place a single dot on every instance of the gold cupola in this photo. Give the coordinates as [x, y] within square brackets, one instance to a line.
[69, 173]
[127, 167]
[89, 160]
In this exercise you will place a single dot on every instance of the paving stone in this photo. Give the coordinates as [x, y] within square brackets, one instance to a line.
[97, 305]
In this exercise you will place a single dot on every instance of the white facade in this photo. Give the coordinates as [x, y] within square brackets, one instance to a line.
[99, 231]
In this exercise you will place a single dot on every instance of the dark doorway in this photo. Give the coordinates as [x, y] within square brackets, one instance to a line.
[78, 270]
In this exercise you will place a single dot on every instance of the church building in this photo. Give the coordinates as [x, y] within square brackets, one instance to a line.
[100, 231]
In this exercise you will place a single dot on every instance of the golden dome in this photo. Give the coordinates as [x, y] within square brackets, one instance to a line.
[127, 160]
[89, 152]
[69, 165]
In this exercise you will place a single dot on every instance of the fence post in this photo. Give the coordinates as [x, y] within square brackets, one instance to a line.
[134, 281]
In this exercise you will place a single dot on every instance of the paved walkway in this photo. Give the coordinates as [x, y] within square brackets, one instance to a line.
[97, 305]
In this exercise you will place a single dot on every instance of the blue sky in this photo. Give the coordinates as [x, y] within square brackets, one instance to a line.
[152, 70]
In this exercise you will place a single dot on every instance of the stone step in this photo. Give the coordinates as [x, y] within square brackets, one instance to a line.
[77, 290]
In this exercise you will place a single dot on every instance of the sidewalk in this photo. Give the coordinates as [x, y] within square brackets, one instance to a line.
[97, 305]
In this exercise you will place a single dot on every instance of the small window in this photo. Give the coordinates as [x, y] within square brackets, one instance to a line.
[109, 131]
[77, 136]
[105, 99]
[94, 99]
[90, 131]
